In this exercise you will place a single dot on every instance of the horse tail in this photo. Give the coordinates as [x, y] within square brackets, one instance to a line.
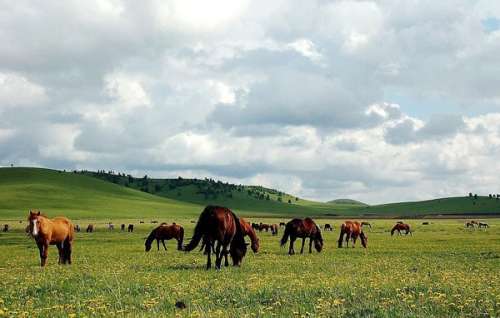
[341, 236]
[181, 238]
[286, 234]
[150, 239]
[199, 230]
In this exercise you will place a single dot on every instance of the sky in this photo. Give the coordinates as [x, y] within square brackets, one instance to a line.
[370, 100]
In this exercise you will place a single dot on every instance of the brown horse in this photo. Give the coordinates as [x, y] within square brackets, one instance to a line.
[165, 232]
[401, 227]
[58, 231]
[90, 228]
[264, 227]
[302, 229]
[6, 228]
[274, 229]
[130, 228]
[249, 230]
[352, 230]
[220, 229]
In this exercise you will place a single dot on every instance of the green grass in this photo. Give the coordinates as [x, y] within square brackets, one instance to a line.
[443, 270]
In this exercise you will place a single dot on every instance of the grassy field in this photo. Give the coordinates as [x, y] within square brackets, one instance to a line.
[443, 270]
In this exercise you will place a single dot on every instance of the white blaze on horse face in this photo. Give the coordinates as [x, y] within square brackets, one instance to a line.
[35, 228]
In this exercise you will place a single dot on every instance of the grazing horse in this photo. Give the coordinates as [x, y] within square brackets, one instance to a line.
[130, 228]
[351, 230]
[263, 226]
[250, 231]
[57, 231]
[367, 224]
[483, 224]
[328, 227]
[425, 223]
[220, 229]
[122, 227]
[77, 228]
[255, 226]
[6, 228]
[302, 228]
[165, 232]
[401, 227]
[90, 228]
[282, 224]
[274, 229]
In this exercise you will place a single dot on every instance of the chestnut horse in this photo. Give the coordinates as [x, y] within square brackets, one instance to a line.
[302, 229]
[249, 230]
[351, 230]
[401, 227]
[220, 229]
[165, 232]
[57, 231]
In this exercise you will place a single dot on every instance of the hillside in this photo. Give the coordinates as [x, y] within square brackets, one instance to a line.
[78, 196]
[347, 201]
[482, 205]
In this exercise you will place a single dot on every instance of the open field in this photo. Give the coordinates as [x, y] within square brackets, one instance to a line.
[443, 270]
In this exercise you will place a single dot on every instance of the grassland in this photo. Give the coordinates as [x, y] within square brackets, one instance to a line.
[443, 270]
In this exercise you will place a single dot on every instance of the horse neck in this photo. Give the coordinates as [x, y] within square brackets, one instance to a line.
[251, 233]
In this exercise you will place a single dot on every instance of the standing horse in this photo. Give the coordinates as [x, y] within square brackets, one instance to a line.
[274, 229]
[130, 228]
[263, 226]
[111, 227]
[401, 227]
[122, 227]
[483, 224]
[57, 231]
[351, 230]
[165, 232]
[305, 228]
[90, 228]
[77, 228]
[255, 226]
[328, 227]
[250, 231]
[220, 229]
[282, 224]
[6, 228]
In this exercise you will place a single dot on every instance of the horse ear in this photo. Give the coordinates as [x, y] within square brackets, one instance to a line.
[38, 212]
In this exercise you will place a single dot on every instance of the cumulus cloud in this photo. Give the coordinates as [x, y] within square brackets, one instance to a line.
[363, 99]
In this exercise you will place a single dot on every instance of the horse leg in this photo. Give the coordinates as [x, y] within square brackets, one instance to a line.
[158, 244]
[60, 249]
[291, 251]
[225, 250]
[218, 255]
[44, 251]
[310, 245]
[208, 250]
[302, 249]
[354, 238]
[164, 246]
[347, 239]
[67, 251]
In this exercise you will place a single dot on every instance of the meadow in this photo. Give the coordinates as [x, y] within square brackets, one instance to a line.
[443, 270]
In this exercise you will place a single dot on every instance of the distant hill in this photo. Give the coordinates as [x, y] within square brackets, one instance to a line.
[347, 201]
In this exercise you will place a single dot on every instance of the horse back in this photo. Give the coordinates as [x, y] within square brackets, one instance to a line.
[61, 229]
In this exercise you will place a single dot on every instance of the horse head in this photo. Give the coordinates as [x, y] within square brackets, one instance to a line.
[34, 223]
[318, 240]
[255, 245]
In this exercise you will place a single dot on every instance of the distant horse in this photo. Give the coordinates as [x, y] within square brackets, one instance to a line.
[255, 226]
[90, 228]
[425, 223]
[401, 227]
[352, 230]
[221, 230]
[154, 221]
[111, 226]
[6, 228]
[141, 222]
[130, 228]
[302, 228]
[274, 229]
[263, 226]
[57, 231]
[250, 231]
[328, 227]
[282, 224]
[77, 228]
[367, 224]
[122, 227]
[165, 232]
[483, 224]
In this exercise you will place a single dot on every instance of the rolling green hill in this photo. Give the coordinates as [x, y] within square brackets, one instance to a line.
[347, 201]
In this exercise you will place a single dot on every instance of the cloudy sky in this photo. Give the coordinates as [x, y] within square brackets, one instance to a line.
[370, 100]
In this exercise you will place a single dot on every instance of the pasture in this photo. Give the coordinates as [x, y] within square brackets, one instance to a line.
[443, 270]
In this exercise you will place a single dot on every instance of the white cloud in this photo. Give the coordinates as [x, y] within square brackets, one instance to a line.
[17, 90]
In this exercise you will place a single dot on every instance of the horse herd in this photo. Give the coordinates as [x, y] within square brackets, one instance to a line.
[218, 229]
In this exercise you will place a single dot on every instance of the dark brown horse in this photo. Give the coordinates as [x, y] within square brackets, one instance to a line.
[282, 224]
[77, 228]
[482, 224]
[122, 227]
[130, 228]
[249, 230]
[274, 229]
[220, 229]
[328, 227]
[90, 228]
[264, 227]
[165, 232]
[255, 226]
[57, 231]
[401, 227]
[352, 230]
[6, 228]
[302, 228]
